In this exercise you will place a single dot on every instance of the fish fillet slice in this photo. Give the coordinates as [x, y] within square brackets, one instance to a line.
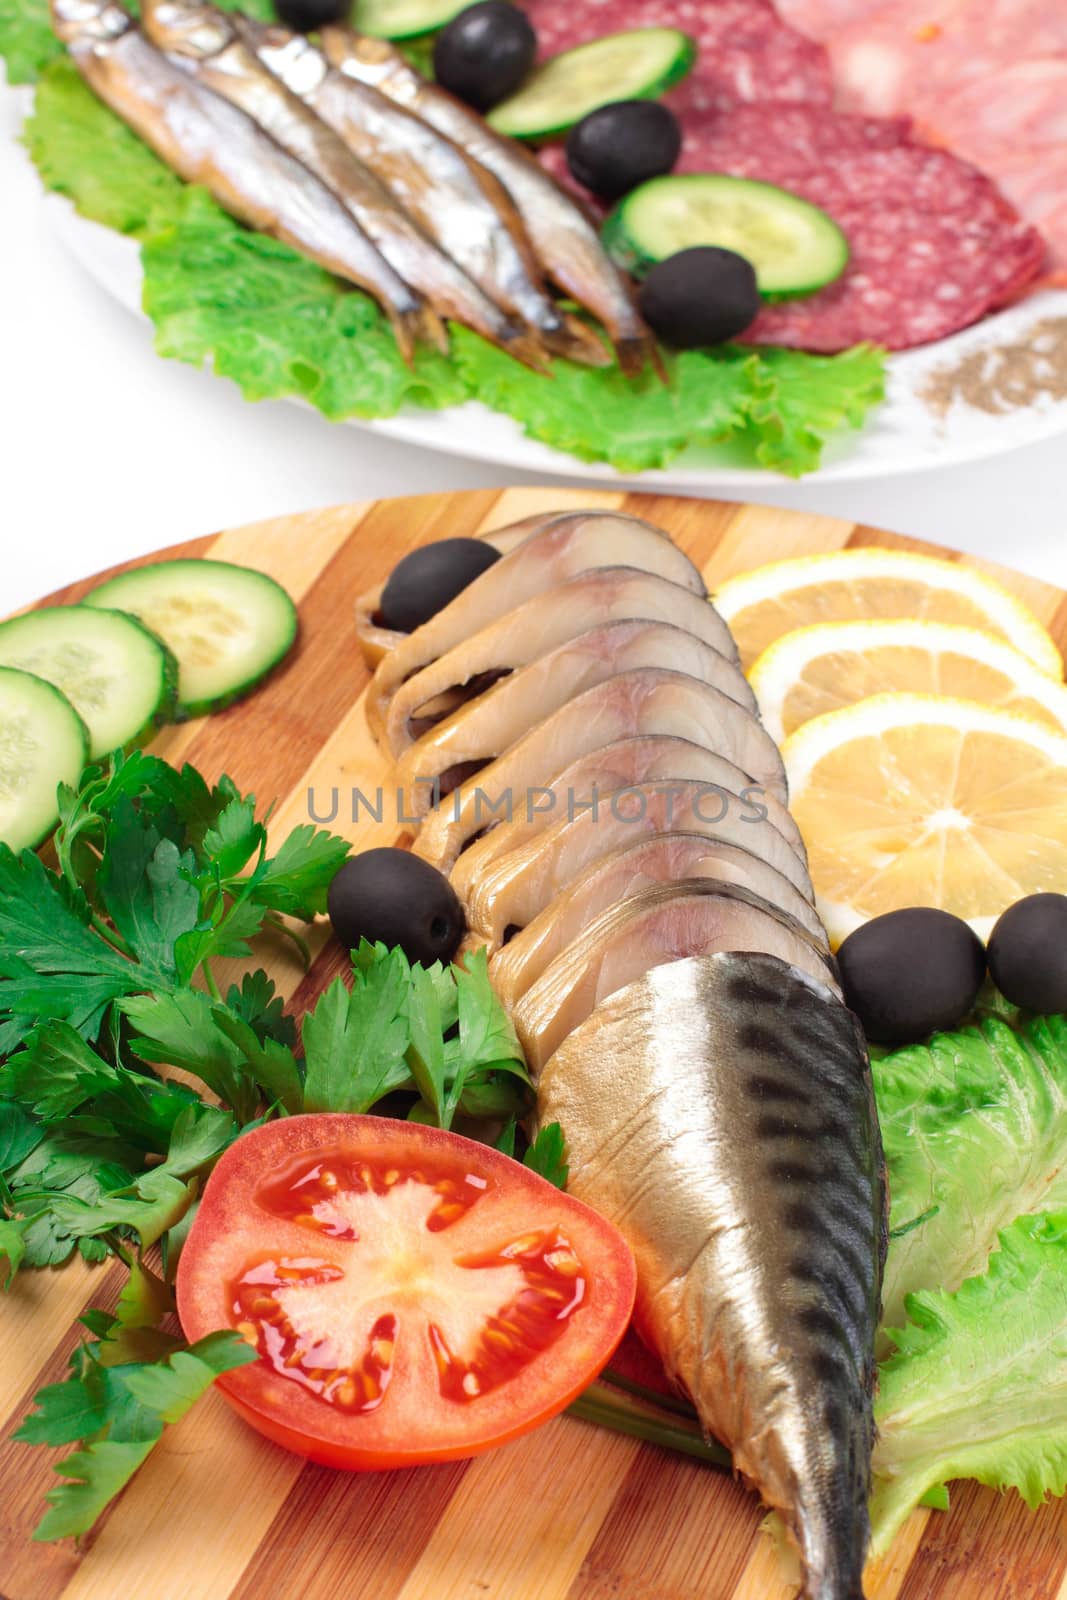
[376, 640]
[566, 544]
[648, 700]
[645, 759]
[519, 885]
[489, 725]
[660, 858]
[542, 623]
[659, 926]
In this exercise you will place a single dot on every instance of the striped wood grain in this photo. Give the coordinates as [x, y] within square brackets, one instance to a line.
[571, 1512]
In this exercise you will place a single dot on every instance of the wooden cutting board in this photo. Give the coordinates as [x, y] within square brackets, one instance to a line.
[570, 1512]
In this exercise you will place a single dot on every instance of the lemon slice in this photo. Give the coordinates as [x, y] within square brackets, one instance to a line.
[814, 670]
[853, 585]
[918, 800]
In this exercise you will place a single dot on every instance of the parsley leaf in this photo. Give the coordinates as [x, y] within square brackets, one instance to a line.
[547, 1156]
[146, 886]
[355, 1041]
[180, 1029]
[56, 1072]
[52, 964]
[118, 1414]
[257, 1003]
[12, 1252]
[297, 878]
[19, 1134]
[149, 1206]
[149, 892]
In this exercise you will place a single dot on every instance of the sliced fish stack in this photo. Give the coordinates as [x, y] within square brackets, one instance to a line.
[589, 767]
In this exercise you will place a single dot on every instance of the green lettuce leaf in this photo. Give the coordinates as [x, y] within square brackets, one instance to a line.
[27, 42]
[598, 415]
[974, 1125]
[276, 323]
[977, 1387]
[802, 400]
[84, 151]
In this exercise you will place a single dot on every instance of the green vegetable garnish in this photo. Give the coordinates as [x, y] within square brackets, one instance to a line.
[116, 1414]
[974, 1125]
[106, 970]
[977, 1387]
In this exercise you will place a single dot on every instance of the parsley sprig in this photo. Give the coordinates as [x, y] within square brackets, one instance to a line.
[107, 984]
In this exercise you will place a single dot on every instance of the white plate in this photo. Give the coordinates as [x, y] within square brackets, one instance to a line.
[903, 435]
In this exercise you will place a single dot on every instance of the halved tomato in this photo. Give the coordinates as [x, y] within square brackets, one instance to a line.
[414, 1296]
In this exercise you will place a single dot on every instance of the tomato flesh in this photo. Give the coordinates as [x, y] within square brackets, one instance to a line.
[413, 1296]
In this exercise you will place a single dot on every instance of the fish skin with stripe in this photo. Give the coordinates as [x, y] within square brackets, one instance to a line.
[721, 1109]
[682, 1025]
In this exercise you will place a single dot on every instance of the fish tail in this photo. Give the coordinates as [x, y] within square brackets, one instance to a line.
[635, 351]
[412, 325]
[434, 329]
[576, 341]
[529, 349]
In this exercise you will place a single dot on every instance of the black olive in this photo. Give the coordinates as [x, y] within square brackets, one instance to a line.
[1028, 953]
[307, 16]
[911, 972]
[395, 897]
[483, 54]
[424, 582]
[700, 297]
[620, 145]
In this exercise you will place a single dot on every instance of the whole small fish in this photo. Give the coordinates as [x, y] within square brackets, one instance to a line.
[456, 201]
[719, 1111]
[566, 243]
[207, 141]
[205, 42]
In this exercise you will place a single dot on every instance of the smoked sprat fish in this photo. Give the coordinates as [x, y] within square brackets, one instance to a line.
[455, 200]
[720, 1108]
[567, 244]
[208, 141]
[206, 43]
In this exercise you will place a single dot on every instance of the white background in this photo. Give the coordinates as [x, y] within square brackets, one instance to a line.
[107, 452]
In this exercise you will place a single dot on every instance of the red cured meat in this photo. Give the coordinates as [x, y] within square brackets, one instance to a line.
[934, 244]
[988, 81]
[777, 141]
[745, 51]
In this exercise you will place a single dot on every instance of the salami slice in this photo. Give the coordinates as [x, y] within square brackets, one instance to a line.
[745, 51]
[934, 245]
[778, 141]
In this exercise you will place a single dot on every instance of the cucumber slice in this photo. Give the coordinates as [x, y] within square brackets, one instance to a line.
[404, 19]
[120, 679]
[43, 743]
[227, 625]
[794, 247]
[637, 65]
